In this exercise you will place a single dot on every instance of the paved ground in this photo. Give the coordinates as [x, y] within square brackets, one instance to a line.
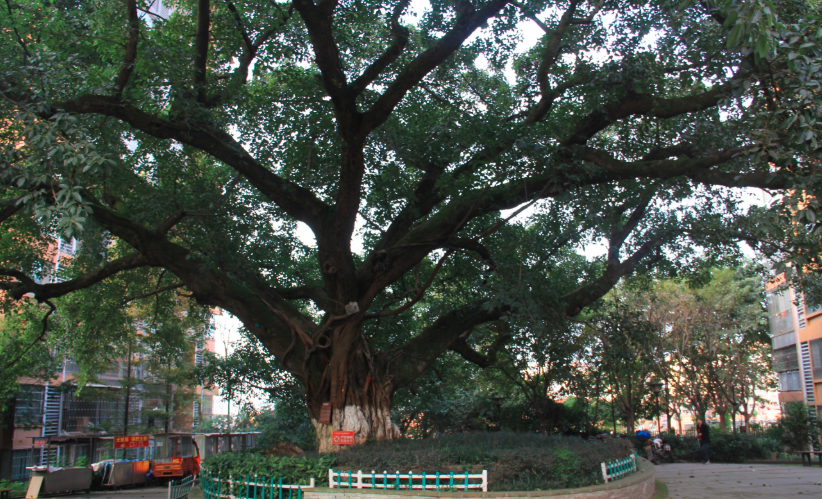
[130, 493]
[720, 481]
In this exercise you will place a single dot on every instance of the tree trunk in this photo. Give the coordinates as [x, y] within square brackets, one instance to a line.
[360, 396]
[630, 424]
[723, 423]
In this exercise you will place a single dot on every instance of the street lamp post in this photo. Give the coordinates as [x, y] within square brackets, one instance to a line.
[498, 401]
[656, 387]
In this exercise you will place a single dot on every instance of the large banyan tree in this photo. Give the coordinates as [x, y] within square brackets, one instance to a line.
[448, 157]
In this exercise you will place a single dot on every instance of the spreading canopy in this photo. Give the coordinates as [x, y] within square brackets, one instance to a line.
[201, 138]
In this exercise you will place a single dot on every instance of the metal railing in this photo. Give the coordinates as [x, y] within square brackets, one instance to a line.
[179, 489]
[255, 487]
[618, 469]
[397, 481]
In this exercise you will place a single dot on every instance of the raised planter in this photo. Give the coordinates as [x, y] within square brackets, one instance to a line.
[640, 485]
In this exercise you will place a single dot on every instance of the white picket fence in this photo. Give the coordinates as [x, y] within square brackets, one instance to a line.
[397, 481]
[618, 469]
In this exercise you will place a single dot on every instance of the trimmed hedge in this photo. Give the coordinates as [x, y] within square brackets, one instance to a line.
[724, 447]
[515, 461]
[293, 470]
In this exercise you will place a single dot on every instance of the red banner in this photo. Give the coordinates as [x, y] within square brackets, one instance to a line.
[132, 442]
[342, 437]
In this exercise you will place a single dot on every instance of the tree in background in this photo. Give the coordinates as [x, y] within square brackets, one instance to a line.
[713, 345]
[625, 349]
[199, 144]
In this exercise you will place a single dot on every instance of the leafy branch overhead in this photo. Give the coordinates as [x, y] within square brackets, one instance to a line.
[208, 143]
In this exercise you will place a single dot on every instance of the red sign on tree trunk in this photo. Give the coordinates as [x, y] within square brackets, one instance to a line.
[342, 437]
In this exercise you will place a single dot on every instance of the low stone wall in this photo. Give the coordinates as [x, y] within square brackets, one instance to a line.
[640, 485]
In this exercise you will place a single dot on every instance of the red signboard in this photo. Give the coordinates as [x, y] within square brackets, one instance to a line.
[132, 442]
[342, 437]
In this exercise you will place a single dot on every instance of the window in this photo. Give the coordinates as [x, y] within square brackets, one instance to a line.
[28, 409]
[784, 340]
[785, 359]
[19, 462]
[816, 358]
[779, 312]
[789, 381]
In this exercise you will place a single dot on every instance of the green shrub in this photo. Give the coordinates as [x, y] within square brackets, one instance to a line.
[515, 461]
[18, 489]
[795, 428]
[724, 447]
[293, 470]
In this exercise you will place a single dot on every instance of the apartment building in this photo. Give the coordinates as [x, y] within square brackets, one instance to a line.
[57, 407]
[796, 335]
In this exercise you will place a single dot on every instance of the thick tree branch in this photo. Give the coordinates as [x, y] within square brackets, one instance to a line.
[412, 359]
[549, 57]
[133, 34]
[202, 37]
[696, 168]
[614, 271]
[461, 346]
[319, 23]
[423, 64]
[400, 35]
[634, 104]
[42, 292]
[297, 201]
[620, 234]
[11, 208]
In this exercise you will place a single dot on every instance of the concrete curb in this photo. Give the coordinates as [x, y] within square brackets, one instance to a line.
[640, 485]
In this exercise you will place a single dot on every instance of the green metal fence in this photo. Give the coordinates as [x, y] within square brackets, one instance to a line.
[398, 481]
[618, 469]
[179, 489]
[250, 487]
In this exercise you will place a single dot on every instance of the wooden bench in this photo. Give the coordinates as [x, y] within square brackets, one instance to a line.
[810, 455]
[4, 493]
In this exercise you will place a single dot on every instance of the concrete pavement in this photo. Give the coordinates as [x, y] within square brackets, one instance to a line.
[721, 481]
[160, 492]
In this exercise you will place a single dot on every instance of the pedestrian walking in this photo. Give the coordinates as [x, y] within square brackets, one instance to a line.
[704, 434]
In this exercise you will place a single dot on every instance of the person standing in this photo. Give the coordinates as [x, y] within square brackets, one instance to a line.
[704, 434]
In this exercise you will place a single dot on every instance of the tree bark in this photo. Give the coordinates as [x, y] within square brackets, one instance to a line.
[359, 391]
[723, 423]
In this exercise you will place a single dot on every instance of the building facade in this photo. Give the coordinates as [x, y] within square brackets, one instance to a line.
[126, 397]
[796, 336]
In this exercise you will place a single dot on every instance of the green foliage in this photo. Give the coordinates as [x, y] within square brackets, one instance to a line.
[515, 461]
[795, 429]
[286, 423]
[629, 123]
[724, 447]
[296, 470]
[18, 489]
